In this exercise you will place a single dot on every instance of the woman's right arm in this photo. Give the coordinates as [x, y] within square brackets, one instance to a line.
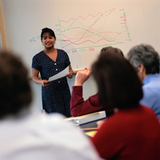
[36, 79]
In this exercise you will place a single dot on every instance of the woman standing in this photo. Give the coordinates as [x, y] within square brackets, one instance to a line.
[50, 61]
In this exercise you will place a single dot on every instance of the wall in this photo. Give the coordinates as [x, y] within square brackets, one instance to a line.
[82, 28]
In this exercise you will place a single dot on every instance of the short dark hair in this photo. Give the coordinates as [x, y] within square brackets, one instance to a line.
[117, 81]
[146, 55]
[15, 90]
[111, 50]
[45, 30]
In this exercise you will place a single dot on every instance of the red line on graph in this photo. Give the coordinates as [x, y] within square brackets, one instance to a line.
[86, 16]
[86, 30]
[87, 41]
[99, 33]
[80, 17]
[89, 27]
[117, 35]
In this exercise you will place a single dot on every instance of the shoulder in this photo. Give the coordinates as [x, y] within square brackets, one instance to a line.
[66, 134]
[38, 55]
[58, 122]
[59, 125]
[151, 82]
[61, 51]
[131, 119]
[147, 110]
[49, 131]
[151, 89]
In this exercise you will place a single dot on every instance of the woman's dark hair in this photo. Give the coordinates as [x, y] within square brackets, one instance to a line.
[15, 90]
[146, 55]
[117, 81]
[45, 30]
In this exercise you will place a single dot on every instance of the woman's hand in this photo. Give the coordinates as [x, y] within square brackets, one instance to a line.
[45, 83]
[35, 77]
[70, 74]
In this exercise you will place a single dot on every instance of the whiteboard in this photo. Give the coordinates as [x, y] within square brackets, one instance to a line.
[82, 27]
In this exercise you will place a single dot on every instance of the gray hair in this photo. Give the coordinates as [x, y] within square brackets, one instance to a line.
[146, 55]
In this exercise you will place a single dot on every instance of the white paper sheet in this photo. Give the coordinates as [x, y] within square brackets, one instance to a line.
[60, 74]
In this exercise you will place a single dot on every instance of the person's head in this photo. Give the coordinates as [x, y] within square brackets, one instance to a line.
[15, 90]
[144, 59]
[117, 81]
[111, 50]
[48, 37]
[47, 30]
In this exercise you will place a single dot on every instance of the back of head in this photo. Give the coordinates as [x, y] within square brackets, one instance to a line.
[47, 30]
[15, 91]
[111, 50]
[146, 55]
[118, 84]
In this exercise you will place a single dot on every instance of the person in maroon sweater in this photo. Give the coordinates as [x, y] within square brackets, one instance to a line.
[133, 131]
[80, 107]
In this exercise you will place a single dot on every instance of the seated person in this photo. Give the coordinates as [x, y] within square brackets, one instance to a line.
[146, 62]
[80, 107]
[133, 131]
[26, 134]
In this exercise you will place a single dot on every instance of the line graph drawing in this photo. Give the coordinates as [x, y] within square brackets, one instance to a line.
[82, 37]
[91, 31]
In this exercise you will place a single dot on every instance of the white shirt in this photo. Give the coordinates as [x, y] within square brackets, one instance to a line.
[37, 136]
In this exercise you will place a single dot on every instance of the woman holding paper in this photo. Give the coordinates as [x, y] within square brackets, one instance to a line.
[49, 62]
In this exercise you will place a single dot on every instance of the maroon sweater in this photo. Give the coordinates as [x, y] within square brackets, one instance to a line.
[80, 107]
[132, 134]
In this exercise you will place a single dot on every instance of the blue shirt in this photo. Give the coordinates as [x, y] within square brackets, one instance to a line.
[151, 91]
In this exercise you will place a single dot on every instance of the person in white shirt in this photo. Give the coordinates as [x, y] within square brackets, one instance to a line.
[26, 134]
